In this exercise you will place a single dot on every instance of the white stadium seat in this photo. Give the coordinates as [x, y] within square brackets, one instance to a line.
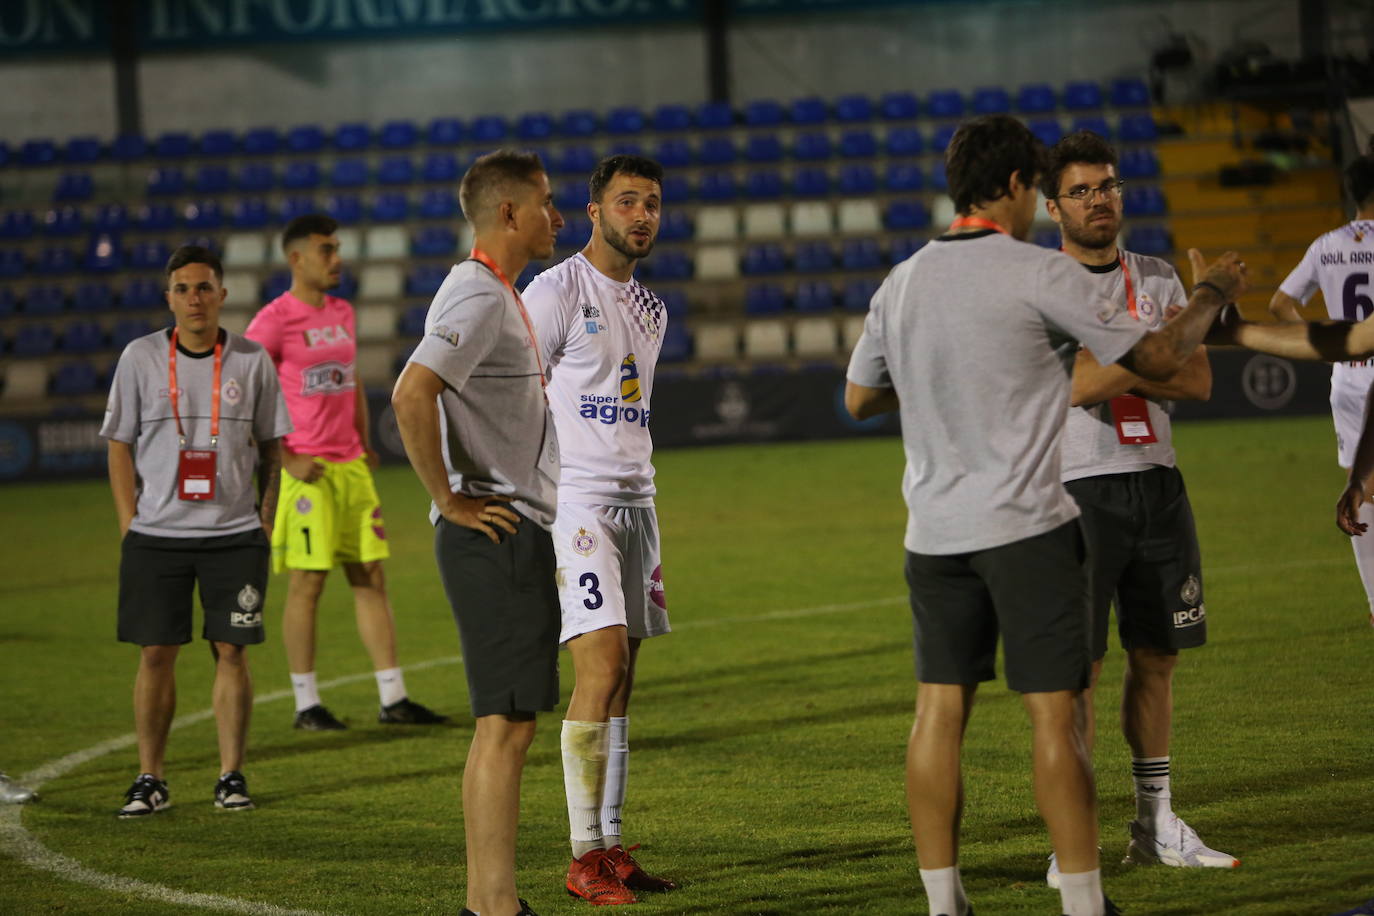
[717, 342]
[717, 262]
[376, 322]
[717, 224]
[860, 216]
[1042, 215]
[386, 243]
[942, 213]
[374, 364]
[814, 337]
[812, 217]
[25, 380]
[852, 328]
[380, 282]
[235, 321]
[764, 221]
[242, 289]
[765, 338]
[245, 249]
[350, 244]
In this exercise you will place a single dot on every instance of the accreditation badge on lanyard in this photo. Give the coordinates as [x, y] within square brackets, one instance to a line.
[1131, 413]
[197, 468]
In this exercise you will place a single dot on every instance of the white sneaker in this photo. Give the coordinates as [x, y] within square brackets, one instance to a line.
[13, 793]
[1179, 846]
[1052, 873]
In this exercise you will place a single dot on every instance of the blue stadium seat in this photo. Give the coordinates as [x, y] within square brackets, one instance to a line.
[12, 262]
[440, 167]
[858, 144]
[763, 184]
[53, 260]
[401, 134]
[295, 206]
[5, 155]
[990, 100]
[142, 293]
[33, 340]
[433, 242]
[18, 224]
[110, 218]
[348, 285]
[396, 170]
[903, 247]
[763, 148]
[127, 330]
[1036, 98]
[717, 186]
[488, 129]
[677, 188]
[203, 214]
[174, 145]
[1048, 130]
[940, 139]
[208, 242]
[278, 282]
[672, 117]
[250, 213]
[579, 123]
[1152, 240]
[945, 103]
[716, 151]
[300, 174]
[676, 226]
[211, 179]
[810, 110]
[1138, 162]
[677, 344]
[75, 379]
[937, 176]
[348, 173]
[624, 120]
[1145, 200]
[149, 255]
[45, 300]
[1138, 128]
[764, 299]
[858, 179]
[858, 294]
[261, 141]
[390, 207]
[82, 337]
[305, 138]
[570, 196]
[575, 160]
[425, 279]
[906, 214]
[352, 137]
[165, 182]
[675, 303]
[1082, 96]
[255, 177]
[899, 106]
[347, 209]
[128, 147]
[671, 264]
[814, 296]
[764, 259]
[81, 150]
[861, 254]
[62, 221]
[535, 125]
[438, 203]
[811, 181]
[715, 116]
[763, 113]
[902, 176]
[218, 143]
[811, 146]
[626, 148]
[673, 153]
[102, 253]
[93, 297]
[1047, 238]
[412, 323]
[1095, 123]
[904, 141]
[1130, 93]
[73, 186]
[813, 257]
[444, 132]
[853, 109]
[576, 230]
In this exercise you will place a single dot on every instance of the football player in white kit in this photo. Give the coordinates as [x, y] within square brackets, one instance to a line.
[600, 332]
[1341, 263]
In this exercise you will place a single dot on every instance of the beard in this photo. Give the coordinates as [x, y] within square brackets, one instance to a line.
[621, 243]
[1093, 236]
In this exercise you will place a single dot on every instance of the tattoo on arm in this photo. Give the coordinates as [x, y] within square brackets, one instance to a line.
[269, 476]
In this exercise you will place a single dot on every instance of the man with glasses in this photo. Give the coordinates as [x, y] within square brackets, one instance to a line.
[1118, 463]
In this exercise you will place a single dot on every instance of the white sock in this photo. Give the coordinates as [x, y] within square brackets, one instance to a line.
[945, 891]
[617, 771]
[1153, 801]
[391, 686]
[1364, 553]
[584, 772]
[307, 694]
[1081, 893]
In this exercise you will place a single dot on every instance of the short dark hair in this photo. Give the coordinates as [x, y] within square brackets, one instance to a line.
[306, 225]
[489, 175]
[983, 154]
[1359, 177]
[623, 164]
[194, 254]
[1080, 146]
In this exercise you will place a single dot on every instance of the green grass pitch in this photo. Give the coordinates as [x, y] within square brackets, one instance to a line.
[768, 730]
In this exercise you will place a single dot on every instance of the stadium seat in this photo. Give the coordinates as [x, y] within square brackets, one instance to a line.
[990, 100]
[716, 341]
[716, 262]
[814, 296]
[203, 214]
[1046, 238]
[765, 338]
[937, 176]
[764, 221]
[811, 218]
[859, 215]
[945, 103]
[763, 113]
[715, 116]
[300, 174]
[277, 282]
[33, 340]
[901, 176]
[390, 207]
[112, 217]
[352, 137]
[102, 253]
[395, 170]
[255, 177]
[853, 109]
[858, 144]
[142, 293]
[942, 213]
[242, 289]
[763, 148]
[434, 242]
[1095, 123]
[905, 215]
[1138, 162]
[716, 151]
[444, 132]
[19, 224]
[717, 186]
[677, 344]
[375, 322]
[673, 153]
[350, 246]
[12, 263]
[1047, 130]
[488, 129]
[1036, 98]
[149, 255]
[173, 145]
[811, 146]
[385, 243]
[809, 110]
[211, 179]
[53, 260]
[348, 173]
[1138, 128]
[128, 147]
[155, 218]
[861, 254]
[578, 123]
[677, 188]
[440, 167]
[857, 179]
[127, 330]
[425, 279]
[412, 322]
[570, 196]
[763, 184]
[296, 206]
[671, 264]
[903, 247]
[575, 232]
[899, 106]
[79, 150]
[249, 213]
[764, 299]
[218, 143]
[813, 257]
[575, 159]
[624, 120]
[858, 294]
[813, 337]
[904, 141]
[1152, 240]
[75, 379]
[305, 138]
[676, 226]
[1144, 200]
[82, 337]
[403, 134]
[438, 203]
[62, 221]
[244, 249]
[164, 182]
[1130, 93]
[1082, 96]
[45, 300]
[9, 304]
[671, 118]
[717, 223]
[73, 186]
[346, 209]
[675, 303]
[261, 141]
[381, 282]
[939, 140]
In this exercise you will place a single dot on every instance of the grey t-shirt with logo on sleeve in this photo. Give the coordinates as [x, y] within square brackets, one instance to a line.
[498, 435]
[977, 334]
[139, 413]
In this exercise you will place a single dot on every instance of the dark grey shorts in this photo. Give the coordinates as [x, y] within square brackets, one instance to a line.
[1033, 592]
[1143, 548]
[505, 602]
[157, 576]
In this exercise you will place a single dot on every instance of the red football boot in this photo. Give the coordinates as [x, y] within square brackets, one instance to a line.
[593, 878]
[632, 875]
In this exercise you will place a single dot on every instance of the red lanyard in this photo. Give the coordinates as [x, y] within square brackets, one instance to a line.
[214, 395]
[481, 257]
[977, 222]
[1130, 287]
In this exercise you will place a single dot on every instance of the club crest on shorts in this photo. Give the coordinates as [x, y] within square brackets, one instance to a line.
[233, 391]
[249, 597]
[1191, 591]
[656, 593]
[584, 542]
[378, 528]
[304, 505]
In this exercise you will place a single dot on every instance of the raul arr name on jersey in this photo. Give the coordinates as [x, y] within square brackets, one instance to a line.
[1356, 257]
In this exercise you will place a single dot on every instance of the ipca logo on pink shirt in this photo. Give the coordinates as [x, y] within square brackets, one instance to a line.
[327, 336]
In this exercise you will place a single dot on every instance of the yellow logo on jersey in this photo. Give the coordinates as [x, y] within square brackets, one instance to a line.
[629, 379]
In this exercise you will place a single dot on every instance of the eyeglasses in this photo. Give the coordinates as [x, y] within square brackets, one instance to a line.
[1110, 190]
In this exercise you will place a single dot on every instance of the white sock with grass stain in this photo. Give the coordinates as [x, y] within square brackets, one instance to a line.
[584, 747]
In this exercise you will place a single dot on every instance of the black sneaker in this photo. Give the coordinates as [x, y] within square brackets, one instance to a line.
[318, 719]
[231, 792]
[148, 795]
[407, 712]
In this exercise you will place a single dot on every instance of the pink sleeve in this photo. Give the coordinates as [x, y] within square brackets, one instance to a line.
[265, 328]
